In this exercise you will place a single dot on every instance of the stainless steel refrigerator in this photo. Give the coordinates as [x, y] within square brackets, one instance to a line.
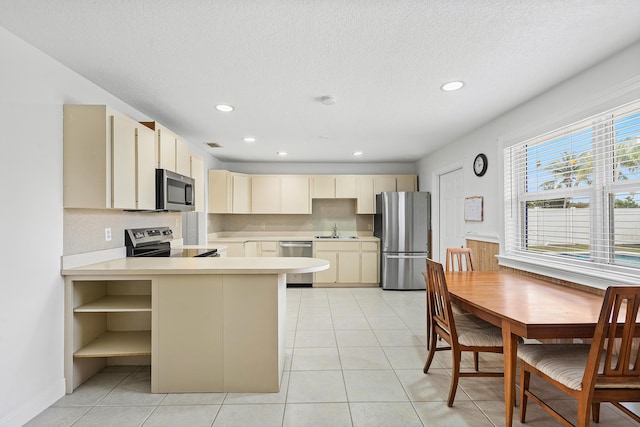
[403, 223]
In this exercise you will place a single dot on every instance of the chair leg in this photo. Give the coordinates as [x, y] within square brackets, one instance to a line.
[583, 413]
[432, 352]
[525, 377]
[595, 412]
[455, 375]
[475, 360]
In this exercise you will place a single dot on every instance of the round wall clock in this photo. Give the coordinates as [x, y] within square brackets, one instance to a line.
[480, 165]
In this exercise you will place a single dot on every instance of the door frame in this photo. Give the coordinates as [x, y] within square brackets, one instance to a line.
[435, 205]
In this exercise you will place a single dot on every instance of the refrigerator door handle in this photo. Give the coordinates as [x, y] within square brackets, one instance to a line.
[407, 256]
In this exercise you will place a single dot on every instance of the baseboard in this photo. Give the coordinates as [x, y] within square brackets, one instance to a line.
[35, 404]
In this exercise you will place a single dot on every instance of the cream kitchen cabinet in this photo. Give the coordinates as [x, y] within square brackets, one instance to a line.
[106, 321]
[109, 160]
[173, 152]
[229, 192]
[346, 187]
[370, 262]
[241, 185]
[334, 187]
[384, 183]
[323, 187]
[351, 262]
[261, 248]
[196, 167]
[280, 194]
[366, 200]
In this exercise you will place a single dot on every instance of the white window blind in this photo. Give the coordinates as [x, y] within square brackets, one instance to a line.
[572, 196]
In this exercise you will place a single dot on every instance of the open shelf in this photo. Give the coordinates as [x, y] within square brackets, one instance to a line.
[116, 303]
[114, 344]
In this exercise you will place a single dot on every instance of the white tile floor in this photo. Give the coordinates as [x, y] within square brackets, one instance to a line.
[355, 358]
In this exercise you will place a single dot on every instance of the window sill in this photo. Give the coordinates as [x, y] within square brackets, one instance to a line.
[592, 277]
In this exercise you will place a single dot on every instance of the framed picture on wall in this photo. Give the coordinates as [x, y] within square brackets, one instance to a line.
[474, 208]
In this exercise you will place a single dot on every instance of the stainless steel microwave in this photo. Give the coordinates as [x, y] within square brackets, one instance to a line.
[174, 192]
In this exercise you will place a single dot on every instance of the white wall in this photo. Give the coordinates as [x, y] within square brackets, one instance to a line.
[33, 89]
[611, 83]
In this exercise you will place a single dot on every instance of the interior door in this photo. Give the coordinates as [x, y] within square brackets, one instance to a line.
[451, 211]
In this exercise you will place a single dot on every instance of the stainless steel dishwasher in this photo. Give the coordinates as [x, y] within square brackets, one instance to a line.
[296, 248]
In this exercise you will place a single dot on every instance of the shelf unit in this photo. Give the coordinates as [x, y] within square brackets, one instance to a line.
[108, 322]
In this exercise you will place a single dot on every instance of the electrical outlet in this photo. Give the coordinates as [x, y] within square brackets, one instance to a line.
[107, 234]
[370, 227]
[310, 226]
[262, 226]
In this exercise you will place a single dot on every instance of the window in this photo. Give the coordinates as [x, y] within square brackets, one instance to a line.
[572, 196]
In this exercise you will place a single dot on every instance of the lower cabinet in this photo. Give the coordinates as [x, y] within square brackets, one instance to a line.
[108, 323]
[350, 262]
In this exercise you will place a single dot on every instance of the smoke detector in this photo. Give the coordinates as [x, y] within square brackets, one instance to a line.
[328, 100]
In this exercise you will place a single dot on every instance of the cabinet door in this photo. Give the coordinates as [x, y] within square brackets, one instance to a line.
[406, 183]
[295, 194]
[183, 158]
[234, 249]
[241, 185]
[146, 172]
[366, 203]
[265, 194]
[384, 183]
[324, 187]
[346, 187]
[166, 149]
[349, 267]
[197, 173]
[123, 166]
[220, 191]
[369, 267]
[329, 275]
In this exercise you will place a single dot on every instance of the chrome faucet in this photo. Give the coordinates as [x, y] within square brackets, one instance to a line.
[335, 230]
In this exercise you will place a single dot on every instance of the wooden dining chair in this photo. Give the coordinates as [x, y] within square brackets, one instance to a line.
[459, 259]
[463, 332]
[591, 373]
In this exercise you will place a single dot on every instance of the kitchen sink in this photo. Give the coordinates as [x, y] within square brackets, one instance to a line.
[336, 237]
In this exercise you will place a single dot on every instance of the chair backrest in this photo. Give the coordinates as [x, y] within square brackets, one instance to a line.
[455, 258]
[438, 301]
[611, 332]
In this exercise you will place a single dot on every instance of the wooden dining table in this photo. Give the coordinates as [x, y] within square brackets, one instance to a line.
[524, 307]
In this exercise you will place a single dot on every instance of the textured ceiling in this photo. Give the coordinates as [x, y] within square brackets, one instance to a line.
[383, 61]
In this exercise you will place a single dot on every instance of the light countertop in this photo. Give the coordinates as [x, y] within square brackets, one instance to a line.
[210, 265]
[280, 236]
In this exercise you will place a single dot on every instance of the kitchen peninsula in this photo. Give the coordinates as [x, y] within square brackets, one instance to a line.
[207, 324]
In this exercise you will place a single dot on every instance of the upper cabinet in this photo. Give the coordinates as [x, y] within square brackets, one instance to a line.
[323, 187]
[196, 167]
[291, 194]
[109, 160]
[173, 152]
[229, 192]
[280, 194]
[333, 187]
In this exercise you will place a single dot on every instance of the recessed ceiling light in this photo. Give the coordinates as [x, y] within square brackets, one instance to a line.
[249, 139]
[358, 153]
[282, 153]
[224, 108]
[451, 86]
